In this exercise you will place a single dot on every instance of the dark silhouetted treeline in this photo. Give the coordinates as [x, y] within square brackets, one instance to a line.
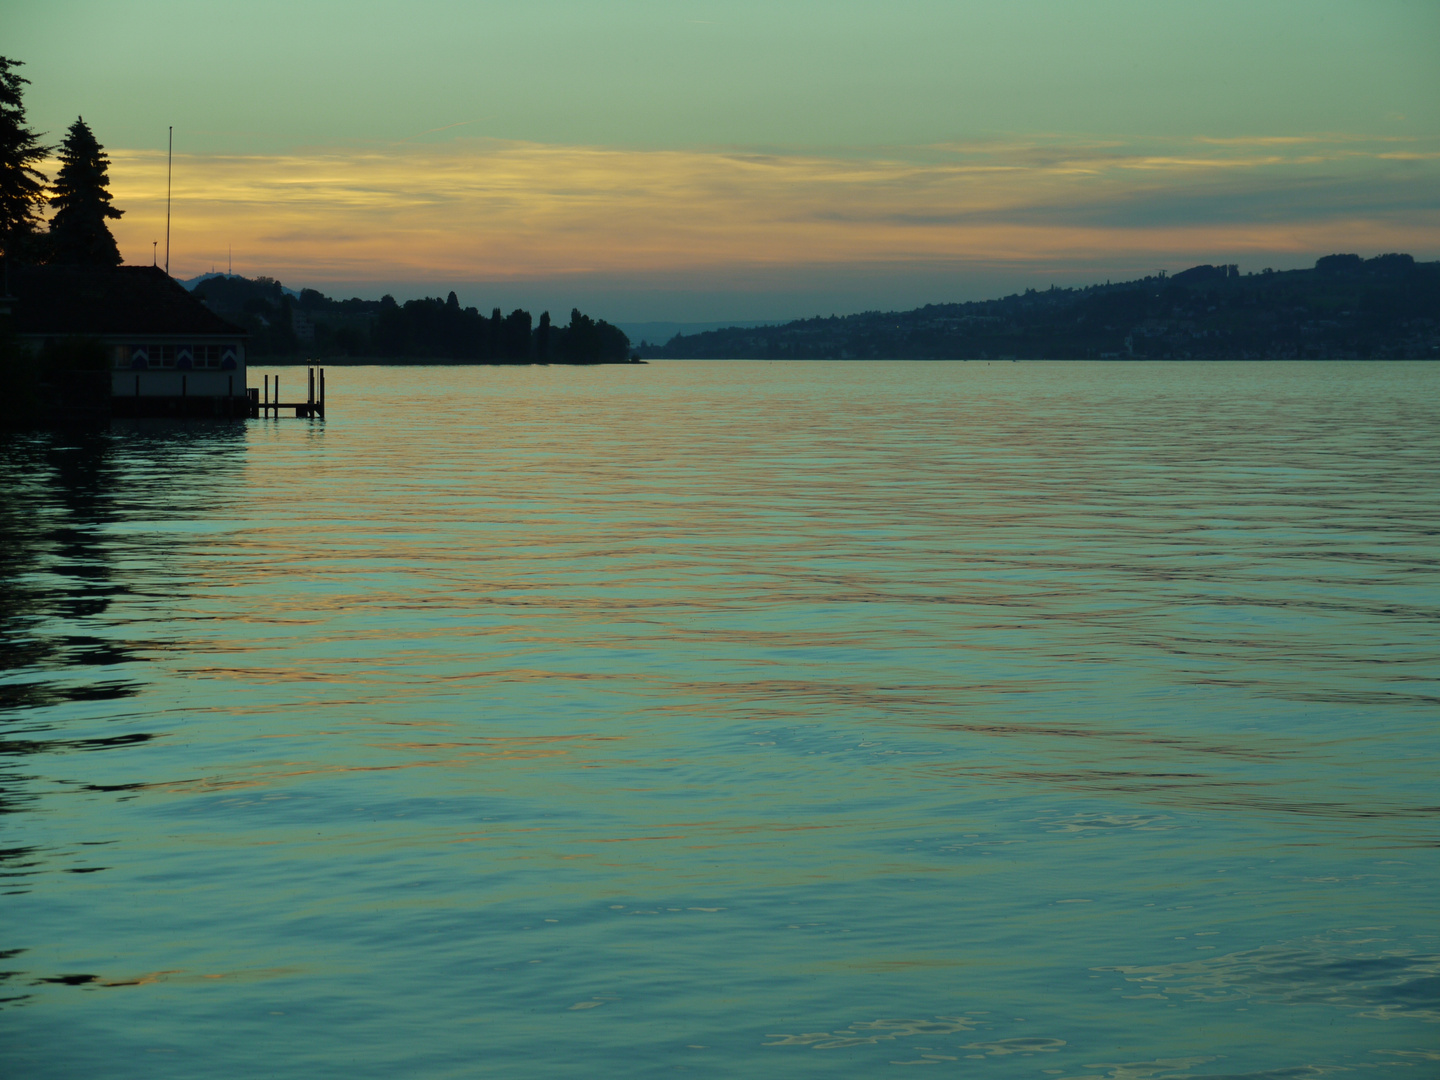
[79, 195]
[1345, 307]
[283, 326]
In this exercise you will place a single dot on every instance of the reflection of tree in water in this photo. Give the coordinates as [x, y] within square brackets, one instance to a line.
[59, 579]
[58, 492]
[52, 564]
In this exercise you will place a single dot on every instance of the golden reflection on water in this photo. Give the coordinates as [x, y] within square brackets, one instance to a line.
[736, 699]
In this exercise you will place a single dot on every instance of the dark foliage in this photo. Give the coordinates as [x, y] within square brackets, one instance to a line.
[1339, 264]
[231, 294]
[20, 378]
[418, 330]
[587, 341]
[1346, 307]
[78, 233]
[22, 187]
[74, 354]
[39, 384]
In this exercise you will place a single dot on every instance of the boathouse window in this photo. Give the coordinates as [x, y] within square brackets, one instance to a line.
[198, 357]
[141, 357]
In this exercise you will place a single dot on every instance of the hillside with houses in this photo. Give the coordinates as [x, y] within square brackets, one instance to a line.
[1345, 307]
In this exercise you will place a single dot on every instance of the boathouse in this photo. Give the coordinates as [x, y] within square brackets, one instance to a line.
[166, 353]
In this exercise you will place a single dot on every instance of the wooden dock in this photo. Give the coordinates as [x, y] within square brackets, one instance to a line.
[269, 403]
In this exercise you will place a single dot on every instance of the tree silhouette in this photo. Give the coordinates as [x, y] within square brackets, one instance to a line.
[22, 188]
[78, 233]
[588, 341]
[515, 336]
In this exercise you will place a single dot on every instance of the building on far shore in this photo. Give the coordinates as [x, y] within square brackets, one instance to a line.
[167, 353]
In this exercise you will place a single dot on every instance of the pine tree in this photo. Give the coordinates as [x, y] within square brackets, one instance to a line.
[22, 188]
[78, 233]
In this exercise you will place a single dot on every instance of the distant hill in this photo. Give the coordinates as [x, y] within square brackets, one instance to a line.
[1345, 307]
[191, 283]
[655, 332]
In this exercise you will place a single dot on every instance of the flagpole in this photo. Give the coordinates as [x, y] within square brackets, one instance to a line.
[169, 167]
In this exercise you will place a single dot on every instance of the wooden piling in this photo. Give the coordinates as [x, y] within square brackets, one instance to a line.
[270, 404]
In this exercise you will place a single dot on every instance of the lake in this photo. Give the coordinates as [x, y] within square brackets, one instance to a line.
[1052, 720]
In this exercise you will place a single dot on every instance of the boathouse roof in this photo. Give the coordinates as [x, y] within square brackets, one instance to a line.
[105, 301]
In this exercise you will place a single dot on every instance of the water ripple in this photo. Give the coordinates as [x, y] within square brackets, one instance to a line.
[538, 723]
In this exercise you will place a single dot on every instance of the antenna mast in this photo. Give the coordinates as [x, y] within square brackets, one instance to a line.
[169, 168]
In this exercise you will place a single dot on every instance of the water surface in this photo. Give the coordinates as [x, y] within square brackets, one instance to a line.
[745, 719]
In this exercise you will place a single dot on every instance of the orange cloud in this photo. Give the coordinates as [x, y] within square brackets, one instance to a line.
[473, 209]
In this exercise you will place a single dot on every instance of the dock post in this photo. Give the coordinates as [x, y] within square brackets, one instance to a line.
[266, 410]
[322, 393]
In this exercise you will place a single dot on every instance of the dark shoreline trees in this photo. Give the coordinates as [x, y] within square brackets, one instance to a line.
[425, 329]
[587, 339]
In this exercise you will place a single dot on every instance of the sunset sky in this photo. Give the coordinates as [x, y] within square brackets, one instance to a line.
[705, 160]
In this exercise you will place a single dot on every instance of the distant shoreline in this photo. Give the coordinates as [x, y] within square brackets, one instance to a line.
[422, 361]
[1345, 308]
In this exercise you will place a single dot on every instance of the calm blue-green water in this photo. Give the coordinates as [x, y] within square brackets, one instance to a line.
[750, 720]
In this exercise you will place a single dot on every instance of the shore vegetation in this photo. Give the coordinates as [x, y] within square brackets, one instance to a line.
[285, 325]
